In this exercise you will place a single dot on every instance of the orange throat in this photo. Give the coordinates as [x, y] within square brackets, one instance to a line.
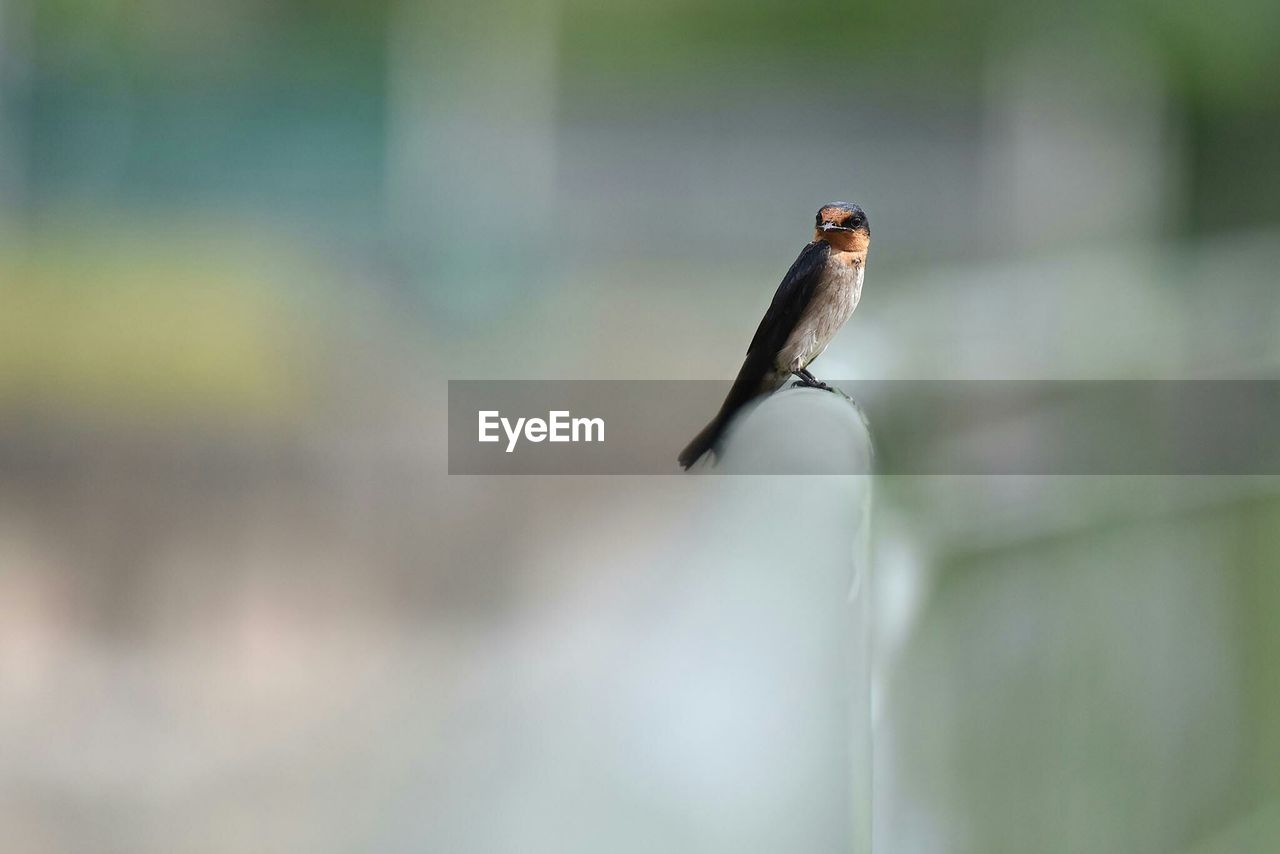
[849, 247]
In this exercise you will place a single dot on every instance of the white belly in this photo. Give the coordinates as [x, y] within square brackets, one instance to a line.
[832, 304]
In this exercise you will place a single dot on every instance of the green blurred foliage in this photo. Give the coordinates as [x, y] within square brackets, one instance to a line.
[161, 44]
[95, 321]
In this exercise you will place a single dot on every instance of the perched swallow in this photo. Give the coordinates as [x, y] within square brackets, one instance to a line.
[816, 297]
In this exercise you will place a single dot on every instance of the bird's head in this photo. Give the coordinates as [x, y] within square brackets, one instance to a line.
[844, 226]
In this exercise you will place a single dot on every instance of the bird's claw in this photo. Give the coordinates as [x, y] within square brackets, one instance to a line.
[810, 382]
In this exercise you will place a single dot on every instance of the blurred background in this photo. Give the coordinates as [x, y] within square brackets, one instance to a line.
[243, 246]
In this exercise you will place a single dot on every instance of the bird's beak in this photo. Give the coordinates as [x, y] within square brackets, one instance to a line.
[831, 226]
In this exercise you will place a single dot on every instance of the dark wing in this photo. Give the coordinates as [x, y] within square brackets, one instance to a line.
[756, 376]
[788, 303]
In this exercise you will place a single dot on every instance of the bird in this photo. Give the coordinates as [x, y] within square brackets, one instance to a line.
[816, 296]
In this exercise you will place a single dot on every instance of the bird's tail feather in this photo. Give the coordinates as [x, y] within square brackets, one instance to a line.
[745, 388]
[704, 441]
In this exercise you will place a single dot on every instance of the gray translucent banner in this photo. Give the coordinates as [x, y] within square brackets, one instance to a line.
[1194, 427]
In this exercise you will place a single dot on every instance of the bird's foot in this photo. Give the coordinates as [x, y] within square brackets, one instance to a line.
[804, 379]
